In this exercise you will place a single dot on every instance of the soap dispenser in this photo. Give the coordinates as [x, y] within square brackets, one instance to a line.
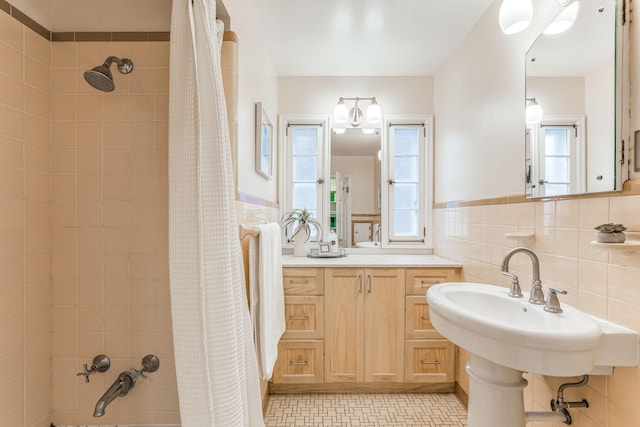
[332, 238]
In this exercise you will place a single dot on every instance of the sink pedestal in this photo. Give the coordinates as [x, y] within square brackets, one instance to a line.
[495, 394]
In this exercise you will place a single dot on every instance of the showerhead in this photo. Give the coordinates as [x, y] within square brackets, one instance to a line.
[100, 77]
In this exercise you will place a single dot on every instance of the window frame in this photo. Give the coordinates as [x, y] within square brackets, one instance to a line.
[424, 238]
[286, 122]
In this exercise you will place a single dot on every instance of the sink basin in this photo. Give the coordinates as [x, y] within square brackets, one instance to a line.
[513, 333]
[367, 244]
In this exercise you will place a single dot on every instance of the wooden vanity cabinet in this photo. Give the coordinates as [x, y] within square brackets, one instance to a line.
[301, 348]
[362, 329]
[429, 357]
[364, 320]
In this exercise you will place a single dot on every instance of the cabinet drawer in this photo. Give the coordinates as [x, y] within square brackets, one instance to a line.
[299, 362]
[429, 361]
[303, 281]
[304, 317]
[418, 323]
[419, 280]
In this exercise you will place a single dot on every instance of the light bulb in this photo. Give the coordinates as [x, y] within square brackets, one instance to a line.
[564, 20]
[374, 114]
[338, 131]
[515, 15]
[533, 113]
[341, 112]
[368, 131]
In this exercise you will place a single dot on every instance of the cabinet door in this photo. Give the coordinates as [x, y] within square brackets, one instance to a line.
[430, 361]
[304, 317]
[344, 329]
[299, 362]
[302, 281]
[419, 280]
[384, 325]
[418, 321]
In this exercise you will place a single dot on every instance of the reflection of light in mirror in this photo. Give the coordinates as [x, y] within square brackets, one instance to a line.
[515, 15]
[564, 20]
[533, 112]
[338, 131]
[368, 131]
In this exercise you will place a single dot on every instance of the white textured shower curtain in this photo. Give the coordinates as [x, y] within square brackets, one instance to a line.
[216, 365]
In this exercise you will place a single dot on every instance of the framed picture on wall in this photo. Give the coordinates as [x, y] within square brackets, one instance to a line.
[264, 143]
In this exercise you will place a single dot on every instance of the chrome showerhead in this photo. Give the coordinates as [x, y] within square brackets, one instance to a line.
[100, 77]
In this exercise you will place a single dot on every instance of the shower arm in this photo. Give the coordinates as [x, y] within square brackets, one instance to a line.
[124, 65]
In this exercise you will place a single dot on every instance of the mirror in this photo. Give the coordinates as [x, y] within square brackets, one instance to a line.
[355, 187]
[572, 75]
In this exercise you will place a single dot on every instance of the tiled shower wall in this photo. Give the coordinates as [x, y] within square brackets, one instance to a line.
[604, 284]
[25, 93]
[109, 219]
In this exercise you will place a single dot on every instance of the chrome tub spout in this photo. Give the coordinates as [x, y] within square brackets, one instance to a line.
[120, 388]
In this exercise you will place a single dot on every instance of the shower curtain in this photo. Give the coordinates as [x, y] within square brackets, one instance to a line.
[217, 372]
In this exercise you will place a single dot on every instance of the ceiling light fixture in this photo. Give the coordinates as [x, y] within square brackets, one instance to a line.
[533, 113]
[342, 114]
[564, 20]
[515, 15]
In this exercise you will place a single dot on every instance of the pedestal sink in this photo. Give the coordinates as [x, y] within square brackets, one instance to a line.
[508, 336]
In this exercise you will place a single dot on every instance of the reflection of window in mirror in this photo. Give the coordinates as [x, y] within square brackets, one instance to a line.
[558, 156]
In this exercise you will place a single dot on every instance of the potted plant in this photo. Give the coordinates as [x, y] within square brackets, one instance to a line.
[610, 233]
[301, 220]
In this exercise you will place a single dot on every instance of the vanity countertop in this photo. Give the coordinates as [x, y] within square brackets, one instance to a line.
[370, 260]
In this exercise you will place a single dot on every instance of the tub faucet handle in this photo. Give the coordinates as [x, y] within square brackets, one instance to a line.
[100, 363]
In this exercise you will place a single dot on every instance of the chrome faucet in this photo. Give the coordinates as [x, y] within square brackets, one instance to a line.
[120, 388]
[125, 382]
[536, 296]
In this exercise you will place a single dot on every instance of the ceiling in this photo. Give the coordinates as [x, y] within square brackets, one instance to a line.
[304, 37]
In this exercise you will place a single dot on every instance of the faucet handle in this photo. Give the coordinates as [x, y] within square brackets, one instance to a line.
[514, 290]
[552, 304]
[100, 363]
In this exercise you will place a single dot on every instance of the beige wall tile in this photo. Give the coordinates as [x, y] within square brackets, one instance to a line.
[12, 61]
[37, 47]
[11, 92]
[624, 210]
[37, 75]
[11, 32]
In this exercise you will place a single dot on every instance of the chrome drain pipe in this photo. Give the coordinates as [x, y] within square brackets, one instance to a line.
[559, 402]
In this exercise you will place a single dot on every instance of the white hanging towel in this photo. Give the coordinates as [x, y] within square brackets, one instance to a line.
[266, 295]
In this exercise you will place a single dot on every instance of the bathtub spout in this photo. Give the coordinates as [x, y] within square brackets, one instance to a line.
[119, 388]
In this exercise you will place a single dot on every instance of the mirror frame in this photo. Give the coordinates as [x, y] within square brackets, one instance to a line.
[622, 139]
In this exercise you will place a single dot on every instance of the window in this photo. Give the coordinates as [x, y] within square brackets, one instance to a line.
[558, 156]
[305, 142]
[406, 208]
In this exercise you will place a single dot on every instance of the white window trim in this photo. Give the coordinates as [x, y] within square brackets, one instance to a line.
[427, 121]
[579, 120]
[285, 162]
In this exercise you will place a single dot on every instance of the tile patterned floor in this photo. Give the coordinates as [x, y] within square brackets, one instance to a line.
[365, 410]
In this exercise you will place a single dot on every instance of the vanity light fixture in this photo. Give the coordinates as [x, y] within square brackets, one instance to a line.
[342, 114]
[533, 112]
[515, 15]
[565, 19]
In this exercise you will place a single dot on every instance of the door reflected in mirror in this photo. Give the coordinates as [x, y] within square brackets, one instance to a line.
[573, 75]
[355, 211]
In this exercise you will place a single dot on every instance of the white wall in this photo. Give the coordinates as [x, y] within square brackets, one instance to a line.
[558, 95]
[479, 123]
[318, 95]
[257, 82]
